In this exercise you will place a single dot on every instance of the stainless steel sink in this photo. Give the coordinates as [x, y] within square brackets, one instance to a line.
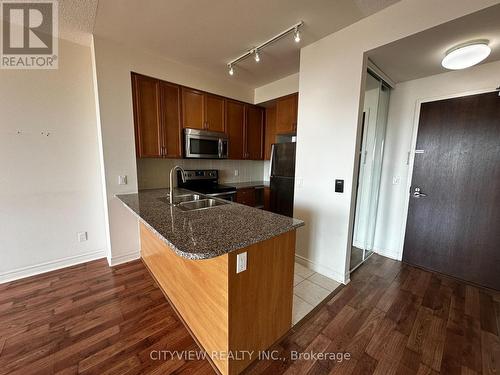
[200, 204]
[182, 198]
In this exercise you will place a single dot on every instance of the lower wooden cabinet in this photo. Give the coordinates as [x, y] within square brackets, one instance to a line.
[252, 196]
[267, 198]
[246, 196]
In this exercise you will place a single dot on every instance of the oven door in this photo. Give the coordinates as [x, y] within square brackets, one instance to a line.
[205, 145]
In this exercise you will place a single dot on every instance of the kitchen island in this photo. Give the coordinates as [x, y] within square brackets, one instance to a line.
[193, 257]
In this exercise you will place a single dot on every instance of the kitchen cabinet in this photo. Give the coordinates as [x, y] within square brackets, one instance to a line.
[235, 124]
[156, 117]
[170, 119]
[245, 128]
[267, 198]
[162, 109]
[286, 114]
[193, 109]
[252, 196]
[270, 131]
[254, 132]
[214, 113]
[202, 110]
[246, 196]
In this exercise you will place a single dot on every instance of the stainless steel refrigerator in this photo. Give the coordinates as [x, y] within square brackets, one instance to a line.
[282, 178]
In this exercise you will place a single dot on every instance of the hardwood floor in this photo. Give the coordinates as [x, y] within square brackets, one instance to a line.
[391, 319]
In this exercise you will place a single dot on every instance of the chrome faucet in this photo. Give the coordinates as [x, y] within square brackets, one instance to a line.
[172, 181]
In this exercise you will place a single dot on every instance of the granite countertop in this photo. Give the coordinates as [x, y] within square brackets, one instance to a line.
[249, 184]
[207, 233]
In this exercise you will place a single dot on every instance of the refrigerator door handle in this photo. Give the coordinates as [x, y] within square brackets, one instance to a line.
[271, 161]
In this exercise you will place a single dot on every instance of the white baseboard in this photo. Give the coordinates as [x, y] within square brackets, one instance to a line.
[388, 254]
[120, 259]
[37, 269]
[325, 271]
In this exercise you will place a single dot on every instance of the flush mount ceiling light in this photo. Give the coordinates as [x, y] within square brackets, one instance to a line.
[466, 55]
[255, 51]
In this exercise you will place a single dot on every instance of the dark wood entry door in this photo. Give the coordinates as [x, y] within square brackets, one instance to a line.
[453, 224]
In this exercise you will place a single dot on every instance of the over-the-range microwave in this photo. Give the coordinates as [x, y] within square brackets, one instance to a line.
[202, 144]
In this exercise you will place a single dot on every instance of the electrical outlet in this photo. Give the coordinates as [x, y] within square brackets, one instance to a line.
[241, 262]
[82, 236]
[122, 180]
[396, 180]
[236, 172]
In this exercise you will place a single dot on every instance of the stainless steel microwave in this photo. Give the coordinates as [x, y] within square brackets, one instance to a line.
[202, 144]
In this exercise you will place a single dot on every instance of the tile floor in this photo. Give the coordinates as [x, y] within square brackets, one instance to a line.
[310, 288]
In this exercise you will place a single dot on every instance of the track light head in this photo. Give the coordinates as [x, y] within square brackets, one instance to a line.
[231, 70]
[257, 56]
[296, 35]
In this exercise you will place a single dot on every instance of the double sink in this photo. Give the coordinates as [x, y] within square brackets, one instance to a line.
[193, 202]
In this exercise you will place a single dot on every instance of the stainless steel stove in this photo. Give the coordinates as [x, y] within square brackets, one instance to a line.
[206, 182]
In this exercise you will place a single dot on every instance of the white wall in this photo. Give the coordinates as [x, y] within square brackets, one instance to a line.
[50, 186]
[403, 112]
[154, 173]
[330, 86]
[113, 64]
[276, 89]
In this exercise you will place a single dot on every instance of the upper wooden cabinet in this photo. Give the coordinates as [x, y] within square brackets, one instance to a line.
[235, 125]
[202, 110]
[162, 109]
[270, 131]
[156, 117]
[286, 114]
[170, 119]
[193, 109]
[214, 113]
[146, 99]
[254, 132]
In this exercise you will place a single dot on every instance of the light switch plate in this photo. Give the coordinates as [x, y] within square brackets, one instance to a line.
[396, 180]
[122, 180]
[241, 262]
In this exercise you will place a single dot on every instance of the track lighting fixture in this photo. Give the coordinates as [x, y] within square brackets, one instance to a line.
[255, 51]
[296, 35]
[257, 57]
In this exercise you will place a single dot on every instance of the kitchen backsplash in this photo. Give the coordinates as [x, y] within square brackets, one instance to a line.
[154, 173]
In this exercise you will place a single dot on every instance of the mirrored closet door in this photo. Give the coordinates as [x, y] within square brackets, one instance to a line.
[375, 111]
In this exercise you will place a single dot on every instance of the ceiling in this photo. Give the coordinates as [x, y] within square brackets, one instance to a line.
[209, 33]
[420, 55]
[76, 20]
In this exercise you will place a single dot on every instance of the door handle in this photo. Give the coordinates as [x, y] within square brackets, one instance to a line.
[418, 194]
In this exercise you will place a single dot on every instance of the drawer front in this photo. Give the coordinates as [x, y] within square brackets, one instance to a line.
[246, 196]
